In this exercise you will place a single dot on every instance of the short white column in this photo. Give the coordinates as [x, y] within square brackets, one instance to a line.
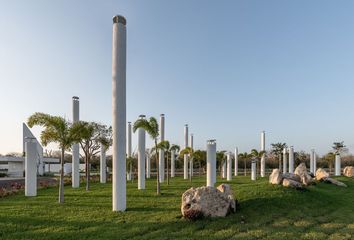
[129, 149]
[31, 169]
[223, 170]
[103, 164]
[337, 169]
[119, 113]
[311, 160]
[285, 160]
[211, 163]
[191, 160]
[173, 159]
[185, 166]
[229, 167]
[291, 160]
[141, 156]
[253, 170]
[314, 162]
[236, 162]
[75, 165]
[263, 156]
[148, 165]
[161, 152]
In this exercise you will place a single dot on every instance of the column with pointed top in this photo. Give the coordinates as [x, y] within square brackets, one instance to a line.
[263, 156]
[211, 163]
[291, 159]
[185, 164]
[119, 113]
[75, 165]
[141, 156]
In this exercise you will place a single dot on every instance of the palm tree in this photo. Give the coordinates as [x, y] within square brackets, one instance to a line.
[277, 150]
[152, 128]
[244, 156]
[175, 148]
[257, 155]
[57, 130]
[200, 157]
[188, 151]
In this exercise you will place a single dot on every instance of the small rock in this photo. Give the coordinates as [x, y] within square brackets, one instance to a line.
[292, 176]
[348, 171]
[301, 171]
[321, 174]
[335, 182]
[276, 177]
[292, 183]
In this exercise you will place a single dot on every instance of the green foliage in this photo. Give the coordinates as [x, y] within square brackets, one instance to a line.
[338, 147]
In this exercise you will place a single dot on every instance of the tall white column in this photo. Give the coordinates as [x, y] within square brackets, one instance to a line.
[173, 159]
[253, 170]
[185, 166]
[291, 160]
[119, 113]
[31, 169]
[229, 167]
[161, 152]
[314, 162]
[148, 165]
[285, 160]
[141, 156]
[211, 163]
[103, 164]
[311, 160]
[337, 169]
[75, 165]
[223, 170]
[129, 149]
[191, 160]
[236, 162]
[263, 156]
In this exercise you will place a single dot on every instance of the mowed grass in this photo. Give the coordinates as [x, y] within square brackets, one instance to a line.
[267, 212]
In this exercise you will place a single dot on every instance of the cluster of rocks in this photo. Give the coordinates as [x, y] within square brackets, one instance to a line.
[208, 202]
[301, 178]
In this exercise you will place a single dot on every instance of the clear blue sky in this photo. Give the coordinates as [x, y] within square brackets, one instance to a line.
[227, 68]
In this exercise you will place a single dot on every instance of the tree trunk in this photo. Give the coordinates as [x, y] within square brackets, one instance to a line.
[158, 169]
[61, 180]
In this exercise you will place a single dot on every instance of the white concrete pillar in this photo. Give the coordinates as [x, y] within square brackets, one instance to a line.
[211, 163]
[173, 159]
[129, 149]
[31, 169]
[236, 162]
[185, 166]
[119, 113]
[311, 160]
[223, 170]
[75, 161]
[229, 167]
[103, 164]
[161, 152]
[191, 160]
[291, 160]
[314, 162]
[285, 160]
[263, 156]
[148, 165]
[141, 156]
[253, 170]
[337, 169]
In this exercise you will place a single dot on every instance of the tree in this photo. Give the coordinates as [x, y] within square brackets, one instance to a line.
[244, 156]
[176, 149]
[188, 151]
[329, 157]
[338, 147]
[200, 158]
[277, 150]
[152, 128]
[57, 130]
[92, 136]
[220, 159]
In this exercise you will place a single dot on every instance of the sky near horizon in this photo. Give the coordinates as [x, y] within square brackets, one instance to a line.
[229, 69]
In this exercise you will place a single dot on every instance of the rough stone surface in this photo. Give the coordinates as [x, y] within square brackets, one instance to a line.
[276, 177]
[292, 176]
[321, 174]
[335, 182]
[348, 171]
[292, 183]
[301, 171]
[207, 202]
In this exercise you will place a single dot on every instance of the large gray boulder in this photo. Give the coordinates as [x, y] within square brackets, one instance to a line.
[276, 177]
[292, 184]
[208, 202]
[292, 176]
[305, 177]
[348, 171]
[335, 182]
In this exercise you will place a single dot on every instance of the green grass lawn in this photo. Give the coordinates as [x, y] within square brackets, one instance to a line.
[267, 212]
